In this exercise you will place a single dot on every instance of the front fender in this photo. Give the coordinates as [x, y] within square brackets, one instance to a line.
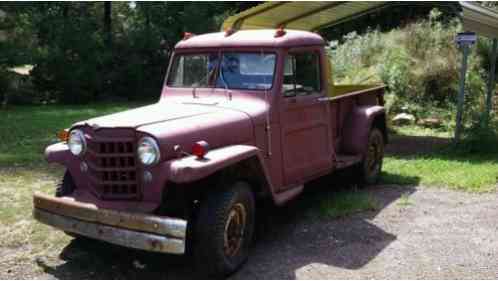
[357, 128]
[191, 168]
[57, 153]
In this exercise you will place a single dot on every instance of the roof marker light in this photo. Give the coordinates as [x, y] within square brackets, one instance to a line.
[280, 32]
[229, 31]
[187, 35]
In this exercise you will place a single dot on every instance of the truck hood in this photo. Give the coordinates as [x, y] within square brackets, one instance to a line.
[148, 115]
[185, 122]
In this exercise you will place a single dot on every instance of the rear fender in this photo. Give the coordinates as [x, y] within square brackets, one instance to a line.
[358, 125]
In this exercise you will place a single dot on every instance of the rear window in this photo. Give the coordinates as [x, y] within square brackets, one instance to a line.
[301, 74]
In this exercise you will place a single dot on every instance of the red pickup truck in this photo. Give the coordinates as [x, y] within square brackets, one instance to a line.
[242, 116]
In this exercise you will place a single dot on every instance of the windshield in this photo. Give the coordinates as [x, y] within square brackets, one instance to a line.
[235, 70]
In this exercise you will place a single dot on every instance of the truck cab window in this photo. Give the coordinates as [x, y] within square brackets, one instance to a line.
[301, 74]
[251, 71]
[194, 70]
[230, 70]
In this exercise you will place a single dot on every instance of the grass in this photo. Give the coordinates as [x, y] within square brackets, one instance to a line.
[343, 203]
[432, 160]
[415, 130]
[26, 131]
[404, 200]
[22, 238]
[472, 173]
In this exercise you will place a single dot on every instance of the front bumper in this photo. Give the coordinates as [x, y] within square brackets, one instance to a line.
[139, 231]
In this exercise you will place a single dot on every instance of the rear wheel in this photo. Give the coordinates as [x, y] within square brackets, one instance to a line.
[224, 230]
[371, 165]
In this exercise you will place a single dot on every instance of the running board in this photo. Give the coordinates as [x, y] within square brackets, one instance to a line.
[288, 194]
[343, 160]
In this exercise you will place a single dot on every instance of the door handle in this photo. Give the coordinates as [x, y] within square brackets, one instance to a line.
[324, 99]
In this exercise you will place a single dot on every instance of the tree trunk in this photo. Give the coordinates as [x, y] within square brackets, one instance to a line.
[147, 20]
[108, 22]
[491, 82]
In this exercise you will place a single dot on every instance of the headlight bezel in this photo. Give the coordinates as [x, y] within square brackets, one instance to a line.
[78, 135]
[152, 143]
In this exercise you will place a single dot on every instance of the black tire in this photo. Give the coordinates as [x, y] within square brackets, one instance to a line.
[223, 230]
[371, 166]
[66, 186]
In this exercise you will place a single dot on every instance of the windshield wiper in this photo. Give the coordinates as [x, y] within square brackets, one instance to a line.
[223, 79]
[200, 82]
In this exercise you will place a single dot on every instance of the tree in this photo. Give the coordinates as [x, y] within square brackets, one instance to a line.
[108, 22]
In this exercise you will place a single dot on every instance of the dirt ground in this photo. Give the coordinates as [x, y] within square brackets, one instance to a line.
[416, 233]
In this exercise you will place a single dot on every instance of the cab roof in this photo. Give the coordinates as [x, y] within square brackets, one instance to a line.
[252, 38]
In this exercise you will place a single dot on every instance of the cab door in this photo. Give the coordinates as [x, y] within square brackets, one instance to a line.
[304, 118]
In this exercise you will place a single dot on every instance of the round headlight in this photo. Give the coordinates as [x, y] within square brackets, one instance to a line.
[77, 142]
[148, 151]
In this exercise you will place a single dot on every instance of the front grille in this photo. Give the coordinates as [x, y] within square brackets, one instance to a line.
[112, 164]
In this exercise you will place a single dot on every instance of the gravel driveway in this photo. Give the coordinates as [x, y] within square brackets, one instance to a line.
[435, 234]
[416, 233]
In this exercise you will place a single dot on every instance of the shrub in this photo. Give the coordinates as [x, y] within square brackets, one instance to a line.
[4, 84]
[419, 64]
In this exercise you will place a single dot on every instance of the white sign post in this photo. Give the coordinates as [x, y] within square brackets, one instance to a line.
[464, 40]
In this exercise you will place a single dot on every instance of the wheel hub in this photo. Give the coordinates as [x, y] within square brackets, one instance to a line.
[234, 229]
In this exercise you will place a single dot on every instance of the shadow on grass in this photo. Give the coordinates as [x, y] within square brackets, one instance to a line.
[428, 147]
[286, 239]
[470, 166]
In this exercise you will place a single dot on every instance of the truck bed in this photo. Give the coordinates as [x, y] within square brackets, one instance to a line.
[344, 99]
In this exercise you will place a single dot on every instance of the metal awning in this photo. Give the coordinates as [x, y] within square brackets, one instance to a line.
[309, 16]
[313, 16]
[480, 20]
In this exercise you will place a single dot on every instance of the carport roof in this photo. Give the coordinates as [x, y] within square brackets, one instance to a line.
[312, 16]
[480, 20]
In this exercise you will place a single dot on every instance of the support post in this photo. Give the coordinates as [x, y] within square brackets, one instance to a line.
[491, 83]
[461, 93]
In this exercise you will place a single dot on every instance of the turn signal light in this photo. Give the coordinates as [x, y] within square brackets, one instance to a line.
[63, 135]
[200, 149]
[187, 35]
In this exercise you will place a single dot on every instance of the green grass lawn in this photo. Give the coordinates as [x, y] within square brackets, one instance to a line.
[344, 203]
[25, 131]
[427, 157]
[474, 173]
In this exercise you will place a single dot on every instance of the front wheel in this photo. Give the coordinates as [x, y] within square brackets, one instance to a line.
[223, 230]
[371, 165]
[66, 186]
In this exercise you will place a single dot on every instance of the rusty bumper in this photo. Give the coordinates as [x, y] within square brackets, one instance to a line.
[139, 231]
